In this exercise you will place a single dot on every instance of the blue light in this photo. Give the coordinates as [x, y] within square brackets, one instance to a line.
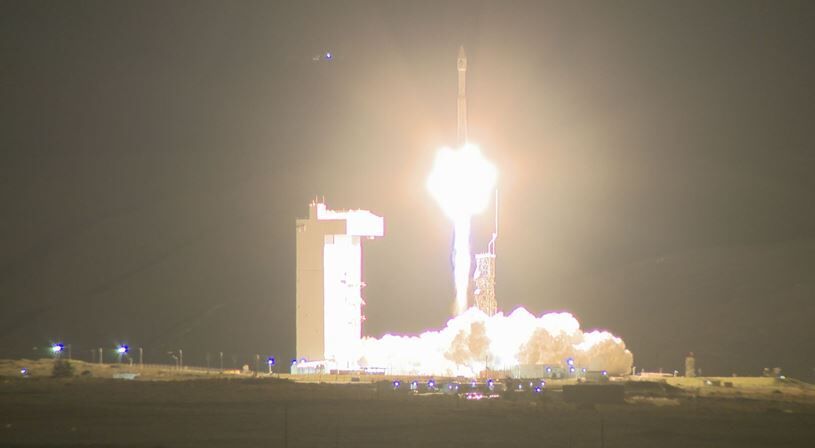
[24, 371]
[570, 361]
[396, 384]
[548, 370]
[583, 370]
[329, 56]
[294, 361]
[604, 372]
[538, 389]
[303, 360]
[270, 361]
[122, 349]
[57, 348]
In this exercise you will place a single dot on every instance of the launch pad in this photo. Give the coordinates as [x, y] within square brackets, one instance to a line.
[478, 338]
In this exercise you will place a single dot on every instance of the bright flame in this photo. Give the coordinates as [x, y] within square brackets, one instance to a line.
[474, 342]
[461, 182]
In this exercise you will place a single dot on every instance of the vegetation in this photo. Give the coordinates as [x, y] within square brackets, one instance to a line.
[62, 369]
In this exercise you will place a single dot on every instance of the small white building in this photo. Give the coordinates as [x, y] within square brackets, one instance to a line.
[329, 283]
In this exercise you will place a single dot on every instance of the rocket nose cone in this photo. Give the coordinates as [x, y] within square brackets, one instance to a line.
[462, 59]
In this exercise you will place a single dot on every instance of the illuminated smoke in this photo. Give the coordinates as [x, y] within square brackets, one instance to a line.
[461, 182]
[473, 342]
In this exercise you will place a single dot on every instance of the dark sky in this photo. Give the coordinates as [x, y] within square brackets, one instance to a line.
[655, 162]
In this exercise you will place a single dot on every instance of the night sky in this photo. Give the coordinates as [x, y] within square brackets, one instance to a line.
[656, 168]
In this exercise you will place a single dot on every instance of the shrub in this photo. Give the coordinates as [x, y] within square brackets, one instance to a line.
[62, 369]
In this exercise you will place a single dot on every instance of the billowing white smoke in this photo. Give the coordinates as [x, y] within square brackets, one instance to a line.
[473, 342]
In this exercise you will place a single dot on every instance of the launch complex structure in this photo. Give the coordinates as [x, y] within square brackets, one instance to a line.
[329, 273]
[484, 273]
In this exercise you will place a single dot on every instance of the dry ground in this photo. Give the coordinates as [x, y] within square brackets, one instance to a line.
[242, 412]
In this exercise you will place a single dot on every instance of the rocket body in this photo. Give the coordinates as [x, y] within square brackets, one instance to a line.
[462, 98]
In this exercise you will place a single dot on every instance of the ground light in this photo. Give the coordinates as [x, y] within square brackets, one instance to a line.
[122, 351]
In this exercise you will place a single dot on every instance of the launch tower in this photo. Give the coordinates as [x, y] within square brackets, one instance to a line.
[329, 283]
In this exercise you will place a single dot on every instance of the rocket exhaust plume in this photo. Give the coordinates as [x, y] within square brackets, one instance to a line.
[461, 182]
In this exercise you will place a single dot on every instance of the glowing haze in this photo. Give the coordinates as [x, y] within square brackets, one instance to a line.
[461, 182]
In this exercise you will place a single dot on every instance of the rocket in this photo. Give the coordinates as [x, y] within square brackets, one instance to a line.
[462, 97]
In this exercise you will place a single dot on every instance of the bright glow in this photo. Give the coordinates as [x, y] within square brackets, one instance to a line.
[57, 348]
[329, 309]
[122, 349]
[473, 342]
[461, 182]
[342, 255]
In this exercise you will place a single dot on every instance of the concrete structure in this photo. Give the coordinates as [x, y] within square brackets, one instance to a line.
[690, 365]
[329, 283]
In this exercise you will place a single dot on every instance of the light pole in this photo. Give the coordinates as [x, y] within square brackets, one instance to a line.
[270, 362]
[100, 356]
[141, 358]
[56, 350]
[181, 359]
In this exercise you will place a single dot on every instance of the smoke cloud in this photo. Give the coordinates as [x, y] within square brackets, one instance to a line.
[473, 342]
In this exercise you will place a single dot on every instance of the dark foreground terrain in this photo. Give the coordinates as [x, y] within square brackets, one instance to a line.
[277, 413]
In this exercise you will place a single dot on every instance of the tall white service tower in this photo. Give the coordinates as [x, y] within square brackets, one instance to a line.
[329, 283]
